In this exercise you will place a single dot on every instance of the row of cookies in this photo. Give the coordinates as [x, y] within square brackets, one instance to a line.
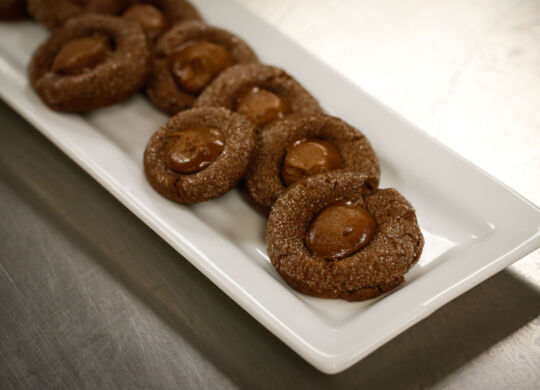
[106, 59]
[155, 15]
[331, 232]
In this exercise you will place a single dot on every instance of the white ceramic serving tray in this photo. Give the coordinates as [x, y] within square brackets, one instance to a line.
[474, 226]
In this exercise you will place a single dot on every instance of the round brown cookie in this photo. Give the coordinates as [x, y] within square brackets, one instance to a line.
[329, 143]
[175, 89]
[199, 154]
[13, 9]
[263, 93]
[158, 15]
[300, 218]
[93, 61]
[54, 13]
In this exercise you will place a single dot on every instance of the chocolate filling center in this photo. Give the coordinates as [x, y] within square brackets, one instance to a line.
[340, 230]
[151, 19]
[196, 63]
[306, 157]
[81, 54]
[192, 150]
[261, 106]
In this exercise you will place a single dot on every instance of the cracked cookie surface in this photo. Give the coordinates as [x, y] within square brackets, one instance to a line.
[371, 271]
[163, 89]
[265, 182]
[218, 177]
[238, 81]
[121, 71]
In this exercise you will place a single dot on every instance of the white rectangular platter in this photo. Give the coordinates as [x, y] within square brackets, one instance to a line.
[474, 226]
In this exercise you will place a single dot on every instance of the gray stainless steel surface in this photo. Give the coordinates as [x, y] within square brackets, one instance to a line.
[92, 298]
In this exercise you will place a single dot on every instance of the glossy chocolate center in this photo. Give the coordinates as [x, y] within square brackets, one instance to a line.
[78, 55]
[261, 106]
[340, 230]
[192, 150]
[196, 63]
[151, 19]
[307, 157]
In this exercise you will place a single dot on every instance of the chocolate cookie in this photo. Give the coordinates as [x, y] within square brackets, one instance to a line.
[262, 93]
[54, 13]
[333, 236]
[188, 57]
[12, 9]
[93, 61]
[157, 15]
[154, 15]
[302, 145]
[199, 154]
